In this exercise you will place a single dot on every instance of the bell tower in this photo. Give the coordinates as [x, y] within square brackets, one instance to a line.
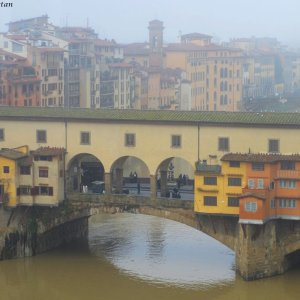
[156, 29]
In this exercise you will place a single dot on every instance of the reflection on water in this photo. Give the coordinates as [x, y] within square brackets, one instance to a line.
[160, 250]
[132, 257]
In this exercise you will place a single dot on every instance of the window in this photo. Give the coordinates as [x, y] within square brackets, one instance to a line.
[130, 139]
[43, 172]
[210, 180]
[233, 202]
[258, 166]
[233, 181]
[25, 170]
[288, 184]
[251, 206]
[210, 201]
[41, 136]
[44, 157]
[223, 144]
[251, 183]
[273, 203]
[6, 169]
[287, 203]
[274, 146]
[234, 164]
[287, 165]
[43, 190]
[176, 141]
[260, 183]
[24, 190]
[85, 138]
[1, 134]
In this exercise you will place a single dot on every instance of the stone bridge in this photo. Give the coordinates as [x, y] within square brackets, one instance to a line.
[260, 250]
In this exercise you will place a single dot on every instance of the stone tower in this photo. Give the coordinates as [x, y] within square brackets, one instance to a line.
[156, 29]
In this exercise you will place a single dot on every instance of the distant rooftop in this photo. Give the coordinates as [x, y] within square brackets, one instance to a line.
[195, 35]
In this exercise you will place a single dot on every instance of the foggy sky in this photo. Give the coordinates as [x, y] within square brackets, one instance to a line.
[127, 20]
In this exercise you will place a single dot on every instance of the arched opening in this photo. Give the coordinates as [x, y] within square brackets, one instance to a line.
[175, 179]
[292, 260]
[85, 172]
[130, 175]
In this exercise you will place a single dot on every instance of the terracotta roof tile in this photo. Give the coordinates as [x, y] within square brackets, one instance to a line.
[260, 157]
[49, 151]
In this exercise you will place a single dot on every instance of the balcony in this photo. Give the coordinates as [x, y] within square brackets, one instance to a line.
[288, 174]
[205, 168]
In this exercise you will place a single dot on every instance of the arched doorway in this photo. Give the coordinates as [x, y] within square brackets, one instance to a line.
[83, 171]
[175, 179]
[130, 175]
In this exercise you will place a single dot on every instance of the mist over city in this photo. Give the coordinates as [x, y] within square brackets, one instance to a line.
[149, 149]
[126, 21]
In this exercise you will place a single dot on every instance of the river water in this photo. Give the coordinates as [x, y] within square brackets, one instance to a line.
[132, 257]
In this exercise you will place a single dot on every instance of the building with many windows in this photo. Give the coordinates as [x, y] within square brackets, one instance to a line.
[256, 187]
[32, 178]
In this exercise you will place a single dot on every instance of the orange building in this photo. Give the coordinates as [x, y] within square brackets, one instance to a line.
[273, 187]
[19, 83]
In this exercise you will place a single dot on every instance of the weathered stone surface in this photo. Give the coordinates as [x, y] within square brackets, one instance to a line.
[261, 250]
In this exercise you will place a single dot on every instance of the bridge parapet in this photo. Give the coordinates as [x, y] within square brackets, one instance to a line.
[122, 199]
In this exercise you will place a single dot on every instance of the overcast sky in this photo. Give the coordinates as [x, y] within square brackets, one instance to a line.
[127, 20]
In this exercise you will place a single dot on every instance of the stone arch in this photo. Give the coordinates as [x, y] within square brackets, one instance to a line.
[292, 258]
[172, 174]
[82, 170]
[130, 174]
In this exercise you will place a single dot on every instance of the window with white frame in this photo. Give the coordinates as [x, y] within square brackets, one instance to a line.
[287, 184]
[251, 206]
[251, 183]
[287, 203]
[260, 183]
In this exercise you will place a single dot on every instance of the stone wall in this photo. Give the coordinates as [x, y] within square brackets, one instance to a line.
[33, 230]
[267, 250]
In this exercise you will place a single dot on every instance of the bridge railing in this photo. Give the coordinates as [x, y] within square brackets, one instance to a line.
[123, 199]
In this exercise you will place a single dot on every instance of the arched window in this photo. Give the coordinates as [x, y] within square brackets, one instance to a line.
[221, 99]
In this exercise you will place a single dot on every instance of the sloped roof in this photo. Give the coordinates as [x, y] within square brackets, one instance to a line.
[253, 119]
[12, 154]
[260, 157]
[49, 151]
[253, 194]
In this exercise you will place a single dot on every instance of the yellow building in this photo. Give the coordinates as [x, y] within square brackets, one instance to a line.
[32, 179]
[218, 187]
[215, 73]
[9, 179]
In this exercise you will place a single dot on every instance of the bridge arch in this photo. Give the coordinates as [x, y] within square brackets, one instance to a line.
[173, 174]
[82, 170]
[129, 174]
